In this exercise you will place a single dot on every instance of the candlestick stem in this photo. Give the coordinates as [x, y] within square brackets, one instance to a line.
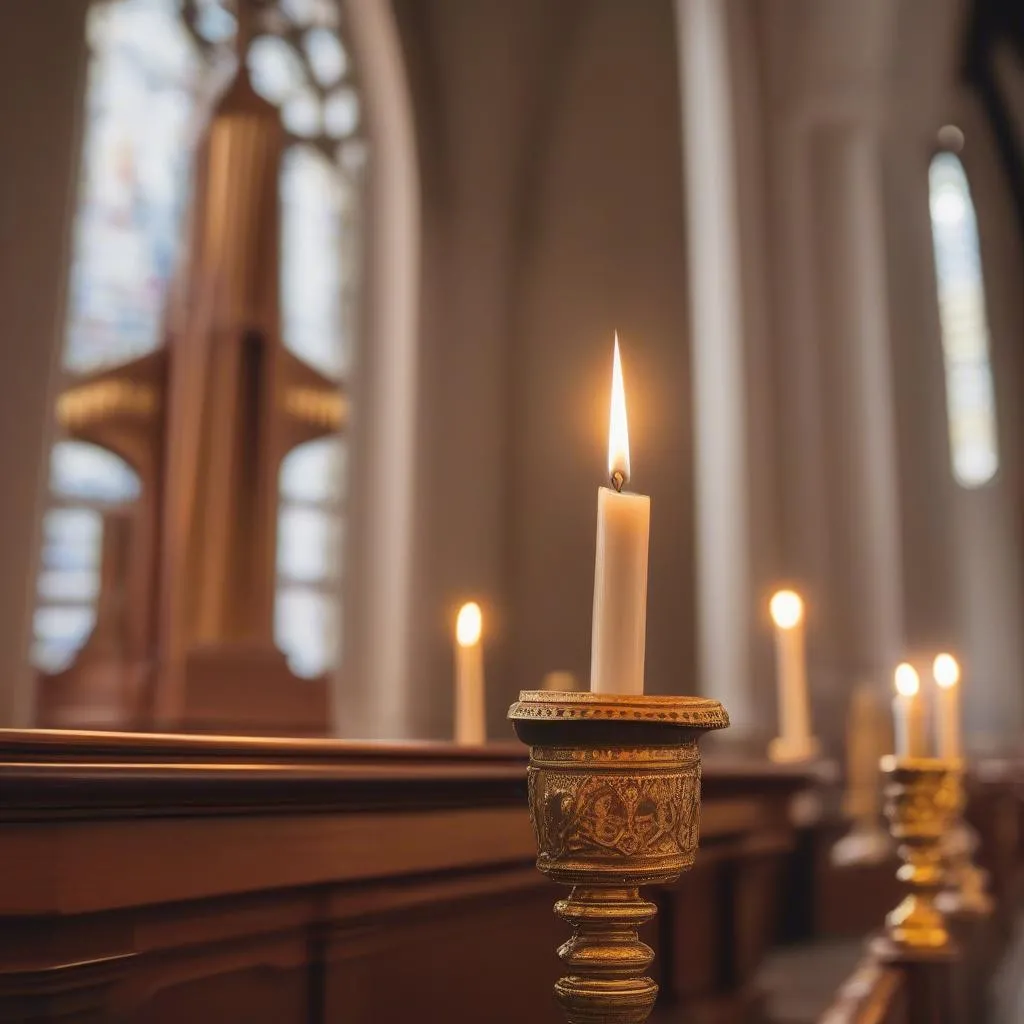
[605, 957]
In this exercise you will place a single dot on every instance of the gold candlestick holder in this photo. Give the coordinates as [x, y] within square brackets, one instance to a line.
[614, 789]
[922, 799]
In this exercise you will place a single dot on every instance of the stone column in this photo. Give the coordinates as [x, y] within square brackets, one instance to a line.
[990, 550]
[724, 590]
[851, 306]
[373, 696]
[42, 63]
[927, 490]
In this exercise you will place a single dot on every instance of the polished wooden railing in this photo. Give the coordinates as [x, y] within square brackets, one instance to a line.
[874, 994]
[153, 879]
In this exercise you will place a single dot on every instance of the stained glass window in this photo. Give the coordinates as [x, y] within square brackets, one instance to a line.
[313, 198]
[84, 481]
[970, 395]
[309, 564]
[144, 80]
[154, 66]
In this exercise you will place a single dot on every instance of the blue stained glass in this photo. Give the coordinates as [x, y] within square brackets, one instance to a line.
[82, 475]
[60, 631]
[315, 472]
[90, 473]
[71, 539]
[307, 624]
[313, 197]
[144, 80]
[326, 55]
[307, 542]
[275, 68]
[970, 395]
[307, 618]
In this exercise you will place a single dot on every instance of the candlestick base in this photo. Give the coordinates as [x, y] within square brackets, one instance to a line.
[614, 787]
[922, 799]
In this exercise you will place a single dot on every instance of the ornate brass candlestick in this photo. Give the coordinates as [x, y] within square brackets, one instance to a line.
[922, 799]
[614, 784]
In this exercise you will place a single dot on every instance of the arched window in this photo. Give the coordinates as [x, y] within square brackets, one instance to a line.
[85, 482]
[145, 80]
[307, 611]
[970, 395]
[155, 68]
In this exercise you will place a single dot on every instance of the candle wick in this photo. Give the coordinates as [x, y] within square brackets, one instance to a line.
[618, 480]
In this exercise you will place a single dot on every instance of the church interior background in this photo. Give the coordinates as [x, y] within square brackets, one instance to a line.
[309, 312]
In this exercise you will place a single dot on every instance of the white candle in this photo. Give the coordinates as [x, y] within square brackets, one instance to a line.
[908, 713]
[795, 740]
[470, 727]
[946, 672]
[620, 569]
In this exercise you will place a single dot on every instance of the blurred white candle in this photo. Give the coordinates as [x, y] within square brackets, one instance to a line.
[470, 727]
[795, 741]
[908, 713]
[946, 673]
[620, 569]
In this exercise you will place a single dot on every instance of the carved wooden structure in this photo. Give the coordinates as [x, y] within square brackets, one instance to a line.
[205, 421]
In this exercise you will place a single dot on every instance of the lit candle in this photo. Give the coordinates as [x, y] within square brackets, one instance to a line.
[946, 672]
[620, 569]
[795, 741]
[469, 676]
[908, 713]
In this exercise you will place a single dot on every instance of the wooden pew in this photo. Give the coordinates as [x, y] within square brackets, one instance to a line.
[718, 922]
[159, 879]
[164, 879]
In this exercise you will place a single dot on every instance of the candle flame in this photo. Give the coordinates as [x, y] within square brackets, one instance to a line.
[787, 609]
[946, 670]
[907, 681]
[469, 624]
[618, 429]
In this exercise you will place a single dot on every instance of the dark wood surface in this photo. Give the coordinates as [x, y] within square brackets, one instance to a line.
[153, 879]
[875, 994]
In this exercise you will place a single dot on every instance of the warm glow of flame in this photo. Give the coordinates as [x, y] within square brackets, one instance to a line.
[787, 609]
[946, 670]
[469, 624]
[907, 681]
[618, 430]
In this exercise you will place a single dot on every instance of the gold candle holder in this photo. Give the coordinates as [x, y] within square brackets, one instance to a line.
[922, 799]
[614, 789]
